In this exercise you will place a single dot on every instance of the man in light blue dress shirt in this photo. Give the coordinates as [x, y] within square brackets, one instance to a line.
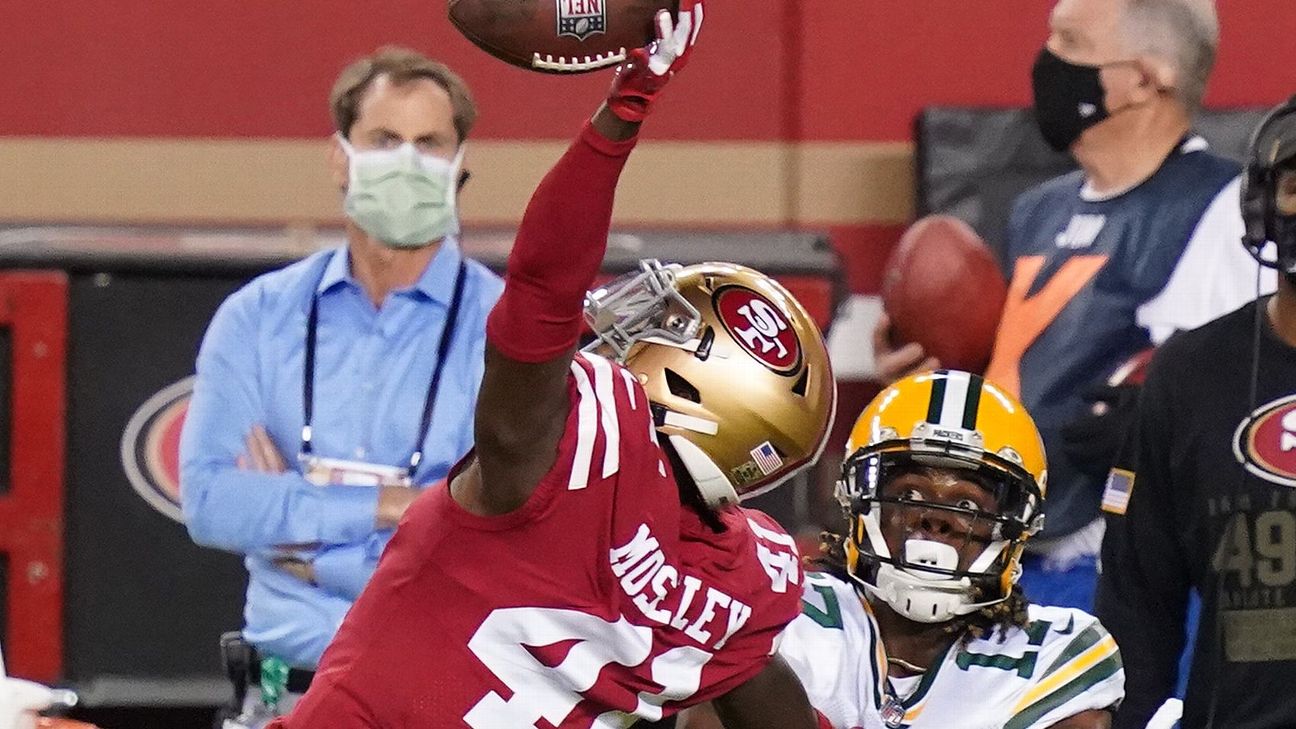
[331, 391]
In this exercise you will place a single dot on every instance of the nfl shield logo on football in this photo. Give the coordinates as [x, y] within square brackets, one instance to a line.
[581, 19]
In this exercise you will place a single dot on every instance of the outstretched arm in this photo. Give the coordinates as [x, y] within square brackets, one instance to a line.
[533, 330]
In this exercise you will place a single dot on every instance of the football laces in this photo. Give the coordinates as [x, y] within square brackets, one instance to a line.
[563, 64]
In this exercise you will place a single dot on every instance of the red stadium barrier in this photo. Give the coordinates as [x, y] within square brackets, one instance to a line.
[33, 308]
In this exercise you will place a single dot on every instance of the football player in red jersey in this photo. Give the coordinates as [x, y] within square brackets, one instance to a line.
[588, 565]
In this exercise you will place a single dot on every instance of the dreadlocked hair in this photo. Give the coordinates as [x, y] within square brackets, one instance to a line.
[831, 558]
[1002, 616]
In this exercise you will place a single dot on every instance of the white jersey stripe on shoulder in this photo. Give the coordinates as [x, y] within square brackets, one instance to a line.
[586, 425]
[608, 409]
[956, 392]
[630, 385]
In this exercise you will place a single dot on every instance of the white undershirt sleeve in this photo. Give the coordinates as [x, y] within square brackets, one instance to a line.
[1215, 274]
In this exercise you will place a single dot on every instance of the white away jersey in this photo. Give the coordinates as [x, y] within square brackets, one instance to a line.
[1062, 663]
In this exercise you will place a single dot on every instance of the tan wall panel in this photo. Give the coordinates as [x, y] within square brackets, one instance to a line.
[503, 176]
[849, 183]
[163, 180]
[271, 181]
[667, 183]
[707, 184]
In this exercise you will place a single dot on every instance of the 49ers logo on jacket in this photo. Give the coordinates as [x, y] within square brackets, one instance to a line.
[760, 327]
[581, 19]
[150, 447]
[1265, 443]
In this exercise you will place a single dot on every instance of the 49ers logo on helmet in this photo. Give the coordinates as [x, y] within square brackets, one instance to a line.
[1265, 443]
[150, 447]
[760, 327]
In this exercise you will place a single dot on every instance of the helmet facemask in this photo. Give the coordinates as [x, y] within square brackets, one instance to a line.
[735, 370]
[925, 578]
[642, 306]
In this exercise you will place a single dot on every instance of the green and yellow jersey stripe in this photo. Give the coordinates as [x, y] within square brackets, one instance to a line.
[1091, 658]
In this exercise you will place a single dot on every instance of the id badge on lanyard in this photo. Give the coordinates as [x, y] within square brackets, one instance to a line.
[323, 471]
[339, 472]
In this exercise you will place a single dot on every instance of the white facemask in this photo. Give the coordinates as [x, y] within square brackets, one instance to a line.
[402, 197]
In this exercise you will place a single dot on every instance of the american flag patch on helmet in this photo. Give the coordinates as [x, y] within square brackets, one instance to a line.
[766, 458]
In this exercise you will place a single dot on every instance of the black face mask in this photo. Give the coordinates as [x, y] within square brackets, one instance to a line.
[1068, 99]
[1284, 238]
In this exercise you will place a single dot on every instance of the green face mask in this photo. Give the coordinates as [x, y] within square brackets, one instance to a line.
[402, 197]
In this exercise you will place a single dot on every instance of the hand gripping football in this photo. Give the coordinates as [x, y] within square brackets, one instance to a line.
[558, 36]
[943, 289]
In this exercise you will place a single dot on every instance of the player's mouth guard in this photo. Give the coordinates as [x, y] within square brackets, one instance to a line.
[642, 306]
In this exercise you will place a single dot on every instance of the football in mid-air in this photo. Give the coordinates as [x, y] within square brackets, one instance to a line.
[559, 36]
[943, 289]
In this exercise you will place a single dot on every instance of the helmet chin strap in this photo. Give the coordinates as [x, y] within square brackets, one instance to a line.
[918, 602]
[711, 481]
[925, 597]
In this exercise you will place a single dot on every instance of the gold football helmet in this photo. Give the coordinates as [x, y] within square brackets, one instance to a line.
[952, 420]
[735, 369]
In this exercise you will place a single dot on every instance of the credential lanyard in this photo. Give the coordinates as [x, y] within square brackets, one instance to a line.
[429, 401]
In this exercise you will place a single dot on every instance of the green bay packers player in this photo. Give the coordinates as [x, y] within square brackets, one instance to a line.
[916, 620]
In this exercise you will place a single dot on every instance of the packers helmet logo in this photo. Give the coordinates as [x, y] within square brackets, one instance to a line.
[150, 447]
[581, 19]
[759, 327]
[1265, 442]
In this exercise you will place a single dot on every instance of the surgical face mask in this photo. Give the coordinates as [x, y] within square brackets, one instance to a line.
[402, 197]
[1069, 99]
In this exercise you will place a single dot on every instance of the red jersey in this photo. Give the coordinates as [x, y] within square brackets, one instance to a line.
[600, 601]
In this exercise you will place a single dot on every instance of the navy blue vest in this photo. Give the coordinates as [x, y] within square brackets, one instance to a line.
[1080, 270]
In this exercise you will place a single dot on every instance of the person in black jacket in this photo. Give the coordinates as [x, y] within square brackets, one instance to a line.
[1204, 497]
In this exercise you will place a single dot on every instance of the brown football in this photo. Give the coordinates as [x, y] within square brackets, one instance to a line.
[943, 289]
[558, 36]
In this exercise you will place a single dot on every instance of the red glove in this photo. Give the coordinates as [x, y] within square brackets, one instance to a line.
[644, 74]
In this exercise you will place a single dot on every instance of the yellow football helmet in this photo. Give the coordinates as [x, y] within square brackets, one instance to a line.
[735, 369]
[953, 420]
